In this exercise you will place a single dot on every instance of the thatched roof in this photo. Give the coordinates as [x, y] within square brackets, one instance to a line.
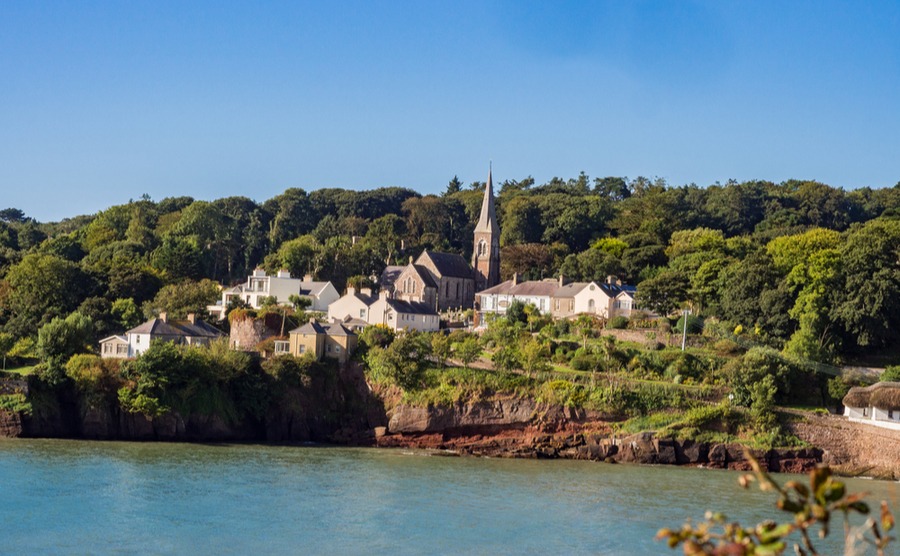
[883, 395]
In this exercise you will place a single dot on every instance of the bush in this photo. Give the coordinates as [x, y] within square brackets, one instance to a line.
[618, 323]
[727, 347]
[890, 374]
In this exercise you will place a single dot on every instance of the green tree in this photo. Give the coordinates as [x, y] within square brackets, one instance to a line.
[534, 357]
[467, 351]
[42, 287]
[664, 293]
[506, 359]
[182, 298]
[441, 348]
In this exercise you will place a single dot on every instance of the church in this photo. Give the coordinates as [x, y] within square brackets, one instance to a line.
[445, 281]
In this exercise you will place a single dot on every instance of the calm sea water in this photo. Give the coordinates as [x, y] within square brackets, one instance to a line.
[71, 497]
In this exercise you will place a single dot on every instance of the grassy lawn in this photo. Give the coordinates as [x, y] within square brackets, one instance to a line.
[26, 370]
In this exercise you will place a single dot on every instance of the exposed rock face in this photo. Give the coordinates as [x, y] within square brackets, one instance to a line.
[10, 424]
[476, 416]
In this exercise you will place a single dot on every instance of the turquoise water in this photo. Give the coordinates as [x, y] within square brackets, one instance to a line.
[90, 497]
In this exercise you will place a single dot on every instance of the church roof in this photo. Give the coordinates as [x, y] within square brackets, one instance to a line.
[449, 264]
[487, 222]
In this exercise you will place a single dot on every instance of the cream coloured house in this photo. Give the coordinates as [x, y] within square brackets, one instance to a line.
[334, 341]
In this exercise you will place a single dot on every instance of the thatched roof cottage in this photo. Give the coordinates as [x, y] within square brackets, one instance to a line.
[878, 404]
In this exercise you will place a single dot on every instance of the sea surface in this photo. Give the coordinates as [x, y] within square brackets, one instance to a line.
[79, 497]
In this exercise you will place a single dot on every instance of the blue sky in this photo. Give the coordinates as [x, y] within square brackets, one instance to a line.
[105, 101]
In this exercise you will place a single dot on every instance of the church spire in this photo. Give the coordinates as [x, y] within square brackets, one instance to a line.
[486, 251]
[487, 222]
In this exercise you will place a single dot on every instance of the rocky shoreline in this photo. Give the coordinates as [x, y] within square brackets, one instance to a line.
[508, 428]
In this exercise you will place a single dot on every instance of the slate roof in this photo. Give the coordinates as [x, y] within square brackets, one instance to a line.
[574, 288]
[423, 273]
[158, 327]
[449, 264]
[312, 288]
[389, 276]
[410, 307]
[309, 329]
[338, 329]
[529, 287]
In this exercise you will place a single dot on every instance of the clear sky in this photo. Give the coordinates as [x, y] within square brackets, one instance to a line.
[105, 101]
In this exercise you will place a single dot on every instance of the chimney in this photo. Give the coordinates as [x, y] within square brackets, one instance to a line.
[562, 280]
[366, 291]
[307, 278]
[611, 280]
[163, 317]
[354, 240]
[312, 320]
[284, 273]
[515, 278]
[351, 290]
[192, 318]
[259, 273]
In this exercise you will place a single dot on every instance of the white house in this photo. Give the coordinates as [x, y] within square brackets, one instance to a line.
[498, 298]
[136, 341]
[353, 304]
[282, 286]
[878, 404]
[575, 298]
[403, 315]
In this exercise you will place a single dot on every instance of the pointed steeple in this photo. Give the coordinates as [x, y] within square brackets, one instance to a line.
[486, 250]
[487, 222]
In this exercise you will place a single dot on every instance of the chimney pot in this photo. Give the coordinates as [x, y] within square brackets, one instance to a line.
[163, 316]
[515, 278]
[192, 318]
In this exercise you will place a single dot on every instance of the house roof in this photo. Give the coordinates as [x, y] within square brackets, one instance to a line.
[528, 288]
[389, 275]
[449, 264]
[158, 327]
[110, 338]
[354, 322]
[410, 307]
[313, 288]
[309, 329]
[883, 395]
[338, 329]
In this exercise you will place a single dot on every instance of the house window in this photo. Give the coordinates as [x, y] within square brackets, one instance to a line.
[121, 348]
[865, 412]
[362, 313]
[556, 305]
[457, 290]
[302, 348]
[591, 287]
[591, 305]
[137, 339]
[337, 349]
[571, 305]
[890, 413]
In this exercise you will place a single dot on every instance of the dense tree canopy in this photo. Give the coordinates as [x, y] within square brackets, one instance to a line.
[806, 266]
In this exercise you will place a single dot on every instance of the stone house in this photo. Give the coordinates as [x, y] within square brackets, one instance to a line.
[444, 281]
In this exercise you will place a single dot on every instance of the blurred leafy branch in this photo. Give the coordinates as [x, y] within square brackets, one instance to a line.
[811, 506]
